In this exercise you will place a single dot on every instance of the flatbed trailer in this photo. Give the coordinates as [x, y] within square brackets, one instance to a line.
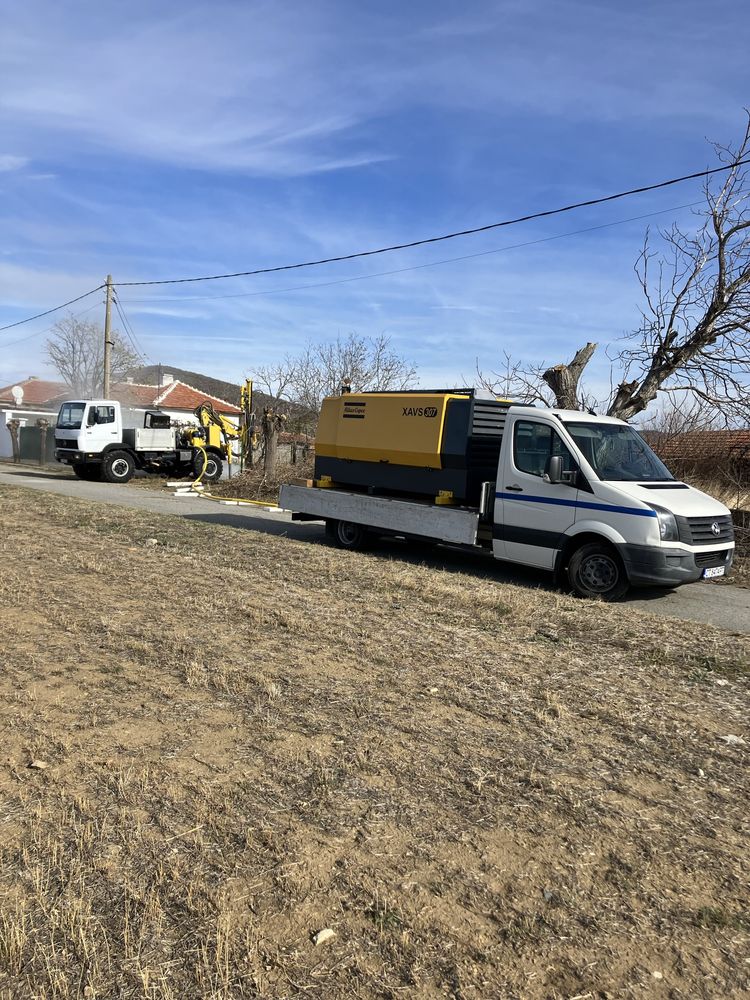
[386, 515]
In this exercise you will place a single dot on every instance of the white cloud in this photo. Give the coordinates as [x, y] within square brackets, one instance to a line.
[290, 89]
[8, 162]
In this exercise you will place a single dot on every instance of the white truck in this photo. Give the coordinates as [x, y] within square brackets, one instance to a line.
[583, 496]
[100, 439]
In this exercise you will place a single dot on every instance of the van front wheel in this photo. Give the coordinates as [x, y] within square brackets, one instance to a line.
[595, 570]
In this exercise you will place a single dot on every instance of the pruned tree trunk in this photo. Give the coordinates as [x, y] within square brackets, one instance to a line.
[43, 425]
[563, 379]
[13, 428]
[271, 425]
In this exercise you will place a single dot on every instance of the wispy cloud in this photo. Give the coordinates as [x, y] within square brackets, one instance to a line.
[293, 89]
[9, 162]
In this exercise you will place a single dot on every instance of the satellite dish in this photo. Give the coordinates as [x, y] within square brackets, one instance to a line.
[17, 394]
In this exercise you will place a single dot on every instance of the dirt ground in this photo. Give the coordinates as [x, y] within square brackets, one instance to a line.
[216, 744]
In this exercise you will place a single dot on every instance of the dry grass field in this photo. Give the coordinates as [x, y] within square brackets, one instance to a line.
[216, 743]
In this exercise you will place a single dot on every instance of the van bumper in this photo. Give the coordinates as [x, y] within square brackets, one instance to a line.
[664, 567]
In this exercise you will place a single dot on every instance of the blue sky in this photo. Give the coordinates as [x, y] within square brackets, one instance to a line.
[155, 140]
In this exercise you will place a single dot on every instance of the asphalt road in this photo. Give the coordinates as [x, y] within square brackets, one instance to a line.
[715, 604]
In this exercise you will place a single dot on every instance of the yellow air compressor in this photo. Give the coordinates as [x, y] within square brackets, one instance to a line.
[439, 443]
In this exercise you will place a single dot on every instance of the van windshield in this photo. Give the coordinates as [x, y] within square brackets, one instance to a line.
[70, 416]
[616, 452]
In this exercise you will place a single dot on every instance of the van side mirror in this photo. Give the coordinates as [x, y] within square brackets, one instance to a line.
[91, 417]
[554, 473]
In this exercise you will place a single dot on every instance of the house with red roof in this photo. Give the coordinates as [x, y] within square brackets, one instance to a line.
[703, 452]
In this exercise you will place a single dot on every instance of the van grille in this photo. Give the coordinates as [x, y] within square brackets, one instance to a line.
[711, 558]
[699, 530]
[64, 443]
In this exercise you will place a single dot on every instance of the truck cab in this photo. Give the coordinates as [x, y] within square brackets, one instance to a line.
[87, 426]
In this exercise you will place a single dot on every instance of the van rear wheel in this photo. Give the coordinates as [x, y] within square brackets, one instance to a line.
[595, 570]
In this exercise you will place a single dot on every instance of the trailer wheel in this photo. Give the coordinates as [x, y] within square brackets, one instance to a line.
[118, 467]
[350, 536]
[595, 570]
[331, 529]
[213, 466]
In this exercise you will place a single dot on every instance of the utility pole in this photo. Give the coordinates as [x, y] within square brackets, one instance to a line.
[107, 337]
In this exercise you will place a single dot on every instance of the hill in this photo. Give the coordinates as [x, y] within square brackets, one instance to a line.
[230, 391]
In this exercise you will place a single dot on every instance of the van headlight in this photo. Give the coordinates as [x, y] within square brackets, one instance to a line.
[668, 531]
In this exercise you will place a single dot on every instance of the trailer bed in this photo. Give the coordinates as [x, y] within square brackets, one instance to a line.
[453, 525]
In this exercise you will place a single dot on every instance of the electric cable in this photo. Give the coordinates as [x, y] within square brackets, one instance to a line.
[447, 236]
[47, 312]
[39, 333]
[129, 331]
[399, 246]
[412, 267]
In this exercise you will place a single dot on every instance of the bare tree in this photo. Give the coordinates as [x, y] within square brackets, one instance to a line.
[513, 380]
[694, 334]
[365, 363]
[76, 349]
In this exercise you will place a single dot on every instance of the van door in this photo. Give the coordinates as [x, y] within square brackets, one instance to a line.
[532, 514]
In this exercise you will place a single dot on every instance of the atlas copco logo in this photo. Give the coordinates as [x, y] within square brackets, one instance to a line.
[420, 411]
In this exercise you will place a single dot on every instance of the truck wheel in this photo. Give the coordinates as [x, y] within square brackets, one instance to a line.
[331, 529]
[88, 472]
[351, 536]
[214, 467]
[595, 570]
[118, 467]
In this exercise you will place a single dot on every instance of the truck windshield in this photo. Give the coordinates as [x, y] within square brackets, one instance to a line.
[70, 416]
[617, 453]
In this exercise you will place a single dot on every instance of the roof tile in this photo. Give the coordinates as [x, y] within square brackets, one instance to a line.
[36, 391]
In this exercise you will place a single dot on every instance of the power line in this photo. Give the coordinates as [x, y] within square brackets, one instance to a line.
[29, 319]
[129, 331]
[414, 267]
[448, 236]
[398, 246]
[39, 333]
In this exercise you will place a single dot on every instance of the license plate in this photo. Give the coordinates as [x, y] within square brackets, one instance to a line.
[712, 571]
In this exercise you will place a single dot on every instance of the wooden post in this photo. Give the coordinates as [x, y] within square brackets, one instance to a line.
[107, 339]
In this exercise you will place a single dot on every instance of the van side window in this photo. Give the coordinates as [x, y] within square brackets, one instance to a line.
[534, 443]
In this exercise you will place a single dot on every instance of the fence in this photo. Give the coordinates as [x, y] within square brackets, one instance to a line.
[30, 444]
